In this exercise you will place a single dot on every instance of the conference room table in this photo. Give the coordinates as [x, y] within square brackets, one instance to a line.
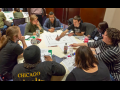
[9, 16]
[56, 51]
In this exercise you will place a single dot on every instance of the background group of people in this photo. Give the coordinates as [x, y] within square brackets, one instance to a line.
[90, 66]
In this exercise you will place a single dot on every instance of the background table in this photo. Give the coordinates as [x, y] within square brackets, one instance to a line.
[9, 15]
[56, 51]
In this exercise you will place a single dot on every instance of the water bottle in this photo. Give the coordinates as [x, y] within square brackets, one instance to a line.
[33, 40]
[86, 40]
[65, 48]
[61, 26]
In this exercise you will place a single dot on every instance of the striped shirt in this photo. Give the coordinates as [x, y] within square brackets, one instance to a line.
[110, 55]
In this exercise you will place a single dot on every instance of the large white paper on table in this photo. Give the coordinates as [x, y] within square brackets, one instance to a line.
[69, 63]
[50, 40]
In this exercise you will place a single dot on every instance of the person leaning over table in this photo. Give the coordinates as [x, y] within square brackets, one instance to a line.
[10, 50]
[17, 13]
[31, 26]
[98, 32]
[52, 24]
[88, 68]
[109, 51]
[34, 70]
[78, 28]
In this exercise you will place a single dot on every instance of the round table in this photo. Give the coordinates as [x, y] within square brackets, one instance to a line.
[56, 51]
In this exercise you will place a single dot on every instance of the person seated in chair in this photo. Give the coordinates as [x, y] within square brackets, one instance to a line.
[52, 23]
[17, 13]
[33, 69]
[10, 50]
[98, 32]
[33, 25]
[2, 18]
[78, 28]
[88, 68]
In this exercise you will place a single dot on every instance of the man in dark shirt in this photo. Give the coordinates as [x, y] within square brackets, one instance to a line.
[35, 70]
[78, 28]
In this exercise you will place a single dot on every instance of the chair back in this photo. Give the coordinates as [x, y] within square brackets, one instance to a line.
[22, 28]
[89, 28]
[18, 21]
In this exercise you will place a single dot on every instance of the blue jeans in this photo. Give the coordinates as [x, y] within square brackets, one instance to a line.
[112, 78]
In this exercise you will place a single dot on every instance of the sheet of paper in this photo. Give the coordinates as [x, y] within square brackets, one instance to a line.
[27, 36]
[50, 40]
[69, 63]
[28, 43]
[98, 50]
[44, 52]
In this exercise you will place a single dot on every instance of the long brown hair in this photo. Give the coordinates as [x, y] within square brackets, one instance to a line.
[84, 58]
[10, 32]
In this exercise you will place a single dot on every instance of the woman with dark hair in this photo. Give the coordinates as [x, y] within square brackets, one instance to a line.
[98, 32]
[9, 51]
[17, 13]
[88, 68]
[109, 51]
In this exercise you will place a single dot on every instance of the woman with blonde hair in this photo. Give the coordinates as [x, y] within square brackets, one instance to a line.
[9, 50]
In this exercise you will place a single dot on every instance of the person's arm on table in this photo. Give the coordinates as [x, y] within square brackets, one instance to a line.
[78, 44]
[62, 34]
[80, 34]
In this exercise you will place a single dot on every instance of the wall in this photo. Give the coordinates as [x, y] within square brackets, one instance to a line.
[112, 17]
[92, 15]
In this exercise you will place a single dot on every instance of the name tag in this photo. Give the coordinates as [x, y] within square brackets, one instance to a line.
[98, 50]
[96, 38]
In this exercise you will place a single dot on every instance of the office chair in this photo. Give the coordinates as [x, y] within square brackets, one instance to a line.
[18, 21]
[89, 28]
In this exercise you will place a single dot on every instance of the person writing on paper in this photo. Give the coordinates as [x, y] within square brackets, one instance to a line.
[10, 50]
[33, 69]
[109, 51]
[78, 28]
[98, 32]
[32, 26]
[88, 68]
[52, 23]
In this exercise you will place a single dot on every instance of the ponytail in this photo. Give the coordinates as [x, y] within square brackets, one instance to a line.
[3, 41]
[10, 32]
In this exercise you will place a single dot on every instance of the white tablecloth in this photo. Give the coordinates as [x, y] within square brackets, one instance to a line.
[55, 50]
[10, 15]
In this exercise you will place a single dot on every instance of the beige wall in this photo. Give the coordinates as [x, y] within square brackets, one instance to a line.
[112, 17]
